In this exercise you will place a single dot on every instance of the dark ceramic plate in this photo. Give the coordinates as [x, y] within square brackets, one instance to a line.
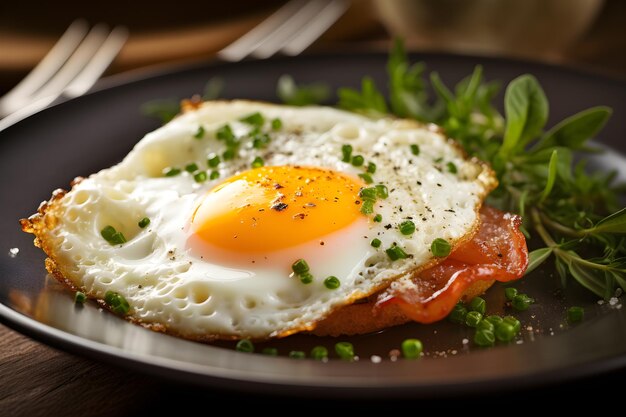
[81, 136]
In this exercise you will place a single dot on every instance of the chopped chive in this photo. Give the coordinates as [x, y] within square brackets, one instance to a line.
[319, 353]
[371, 167]
[357, 160]
[440, 248]
[484, 338]
[199, 133]
[306, 278]
[381, 191]
[345, 350]
[368, 193]
[200, 176]
[117, 303]
[505, 332]
[438, 160]
[171, 172]
[225, 133]
[367, 207]
[510, 293]
[191, 168]
[300, 266]
[473, 318]
[277, 124]
[270, 351]
[214, 175]
[366, 177]
[415, 149]
[260, 141]
[376, 243]
[407, 227]
[494, 319]
[451, 168]
[517, 326]
[396, 252]
[575, 314]
[143, 222]
[332, 283]
[213, 161]
[478, 304]
[486, 325]
[254, 119]
[458, 314]
[346, 151]
[257, 162]
[378, 218]
[297, 354]
[80, 297]
[521, 302]
[228, 154]
[245, 345]
[412, 348]
[112, 236]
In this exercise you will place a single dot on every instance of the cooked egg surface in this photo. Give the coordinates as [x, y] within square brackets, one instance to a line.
[229, 215]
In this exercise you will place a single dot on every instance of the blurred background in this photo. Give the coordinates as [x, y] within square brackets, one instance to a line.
[590, 34]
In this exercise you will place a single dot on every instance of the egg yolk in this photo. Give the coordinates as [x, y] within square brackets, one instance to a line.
[276, 207]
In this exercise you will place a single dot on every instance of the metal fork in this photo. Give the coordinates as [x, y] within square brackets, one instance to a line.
[290, 30]
[70, 68]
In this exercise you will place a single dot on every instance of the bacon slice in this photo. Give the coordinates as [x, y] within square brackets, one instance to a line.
[497, 252]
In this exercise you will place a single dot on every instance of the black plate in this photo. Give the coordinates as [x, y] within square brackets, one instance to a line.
[81, 136]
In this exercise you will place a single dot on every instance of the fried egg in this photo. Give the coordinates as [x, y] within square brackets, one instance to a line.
[220, 209]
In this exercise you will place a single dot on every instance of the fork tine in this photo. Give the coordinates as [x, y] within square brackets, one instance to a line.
[98, 64]
[249, 42]
[46, 68]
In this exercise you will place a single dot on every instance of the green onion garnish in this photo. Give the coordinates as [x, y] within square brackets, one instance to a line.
[478, 304]
[412, 348]
[171, 172]
[277, 124]
[575, 314]
[395, 252]
[371, 167]
[270, 351]
[345, 350]
[228, 154]
[510, 293]
[191, 168]
[300, 266]
[297, 354]
[484, 338]
[319, 353]
[214, 175]
[494, 319]
[213, 161]
[486, 325]
[346, 151]
[225, 133]
[376, 243]
[199, 133]
[117, 303]
[332, 283]
[378, 218]
[368, 193]
[381, 191]
[521, 302]
[260, 141]
[357, 160]
[458, 314]
[473, 318]
[451, 168]
[143, 222]
[306, 278]
[245, 345]
[200, 176]
[254, 119]
[415, 149]
[80, 297]
[505, 332]
[367, 207]
[257, 162]
[517, 326]
[112, 236]
[440, 247]
[407, 227]
[366, 177]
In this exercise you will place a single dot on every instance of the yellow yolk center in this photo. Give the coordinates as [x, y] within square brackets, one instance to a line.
[273, 208]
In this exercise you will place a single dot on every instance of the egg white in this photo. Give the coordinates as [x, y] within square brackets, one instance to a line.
[175, 288]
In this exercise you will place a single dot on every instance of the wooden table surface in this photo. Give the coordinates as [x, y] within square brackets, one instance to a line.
[36, 379]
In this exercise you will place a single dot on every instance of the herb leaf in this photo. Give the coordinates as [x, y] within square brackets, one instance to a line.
[301, 95]
[537, 257]
[575, 130]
